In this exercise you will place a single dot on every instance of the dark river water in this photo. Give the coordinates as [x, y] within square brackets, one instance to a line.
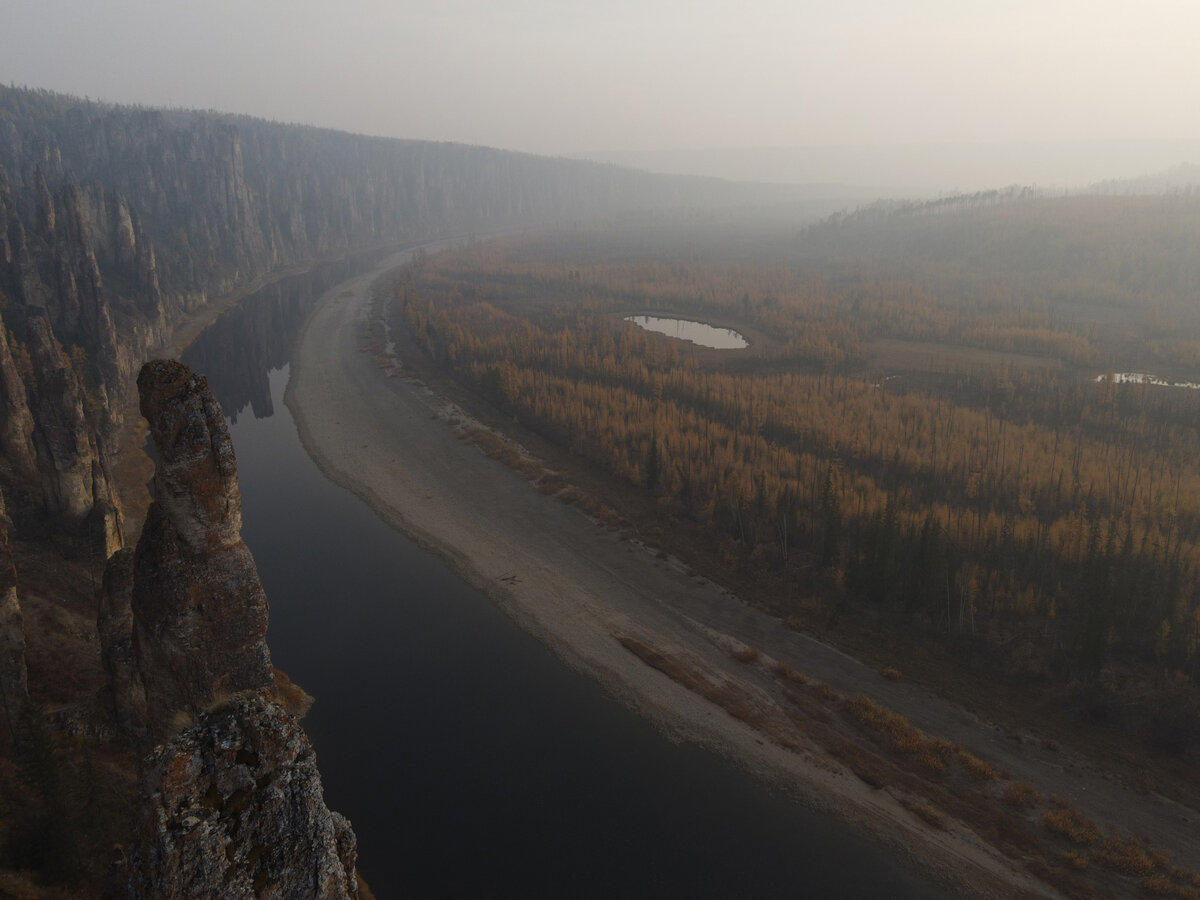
[471, 761]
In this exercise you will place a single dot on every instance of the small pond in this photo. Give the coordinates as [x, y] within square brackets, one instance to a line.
[1143, 378]
[696, 332]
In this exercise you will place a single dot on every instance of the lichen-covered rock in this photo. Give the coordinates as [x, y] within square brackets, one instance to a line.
[16, 422]
[199, 614]
[114, 627]
[195, 478]
[14, 682]
[67, 452]
[234, 808]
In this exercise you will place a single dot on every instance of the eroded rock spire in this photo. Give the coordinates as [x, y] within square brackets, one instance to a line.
[195, 608]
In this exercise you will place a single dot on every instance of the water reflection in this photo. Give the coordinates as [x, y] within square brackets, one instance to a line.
[696, 332]
[470, 760]
[248, 341]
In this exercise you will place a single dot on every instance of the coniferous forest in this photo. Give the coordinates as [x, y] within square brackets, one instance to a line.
[932, 426]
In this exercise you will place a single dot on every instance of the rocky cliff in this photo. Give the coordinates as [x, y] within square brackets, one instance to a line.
[118, 222]
[234, 808]
[231, 806]
[117, 225]
[189, 595]
[14, 679]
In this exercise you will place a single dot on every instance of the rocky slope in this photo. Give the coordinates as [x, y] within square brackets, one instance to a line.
[234, 808]
[14, 679]
[190, 593]
[231, 806]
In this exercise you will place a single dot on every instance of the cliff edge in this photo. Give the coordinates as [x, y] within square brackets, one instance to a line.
[231, 804]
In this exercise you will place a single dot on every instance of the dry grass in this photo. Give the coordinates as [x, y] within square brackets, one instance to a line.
[1022, 795]
[897, 734]
[923, 811]
[364, 890]
[784, 672]
[937, 754]
[825, 692]
[891, 673]
[739, 702]
[1188, 876]
[1075, 860]
[1158, 886]
[291, 696]
[1125, 855]
[550, 484]
[744, 654]
[1071, 824]
[498, 448]
[978, 769]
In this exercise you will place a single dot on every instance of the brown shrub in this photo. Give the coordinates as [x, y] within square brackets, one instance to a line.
[290, 695]
[897, 734]
[1076, 860]
[1125, 855]
[923, 811]
[785, 672]
[891, 673]
[978, 769]
[1158, 886]
[1071, 824]
[550, 484]
[937, 754]
[825, 692]
[1188, 876]
[1022, 795]
[744, 653]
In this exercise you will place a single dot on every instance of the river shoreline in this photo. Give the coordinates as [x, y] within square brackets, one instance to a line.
[576, 585]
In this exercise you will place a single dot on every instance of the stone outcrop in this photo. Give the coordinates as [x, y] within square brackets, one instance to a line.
[14, 682]
[114, 627]
[118, 223]
[184, 618]
[16, 421]
[195, 478]
[73, 472]
[234, 808]
[232, 805]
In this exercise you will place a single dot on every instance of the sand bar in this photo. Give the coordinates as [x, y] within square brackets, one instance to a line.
[579, 586]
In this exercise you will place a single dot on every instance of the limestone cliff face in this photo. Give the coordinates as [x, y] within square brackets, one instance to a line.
[184, 618]
[73, 472]
[14, 682]
[114, 627]
[234, 808]
[195, 478]
[117, 223]
[16, 421]
[53, 460]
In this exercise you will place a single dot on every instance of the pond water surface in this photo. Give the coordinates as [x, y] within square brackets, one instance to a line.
[696, 332]
[1145, 378]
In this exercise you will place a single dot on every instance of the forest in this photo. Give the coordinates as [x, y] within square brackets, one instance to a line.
[928, 425]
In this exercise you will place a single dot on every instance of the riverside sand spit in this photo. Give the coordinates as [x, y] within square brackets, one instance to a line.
[663, 640]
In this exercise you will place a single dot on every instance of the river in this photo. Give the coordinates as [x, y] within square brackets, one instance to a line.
[471, 761]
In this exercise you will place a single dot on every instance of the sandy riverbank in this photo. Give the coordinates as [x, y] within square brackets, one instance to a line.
[579, 586]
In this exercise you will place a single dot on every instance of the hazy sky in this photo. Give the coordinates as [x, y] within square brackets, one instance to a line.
[648, 76]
